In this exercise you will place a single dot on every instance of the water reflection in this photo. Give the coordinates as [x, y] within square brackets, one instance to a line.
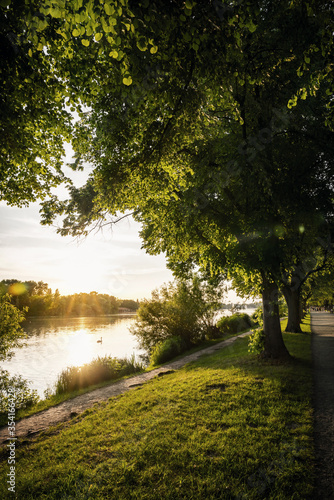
[56, 343]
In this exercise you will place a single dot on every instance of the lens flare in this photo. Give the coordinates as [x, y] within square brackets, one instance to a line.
[17, 289]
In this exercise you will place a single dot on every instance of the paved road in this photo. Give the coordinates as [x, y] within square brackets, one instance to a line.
[64, 411]
[323, 365]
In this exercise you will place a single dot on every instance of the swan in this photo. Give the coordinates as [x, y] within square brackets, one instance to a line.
[100, 341]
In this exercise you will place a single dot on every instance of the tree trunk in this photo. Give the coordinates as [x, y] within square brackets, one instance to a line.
[274, 346]
[292, 297]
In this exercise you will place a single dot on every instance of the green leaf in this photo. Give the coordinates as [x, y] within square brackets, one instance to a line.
[127, 80]
[141, 44]
[153, 50]
[98, 36]
[109, 10]
[113, 54]
[75, 32]
[89, 31]
[252, 27]
[307, 59]
[303, 94]
[85, 42]
[56, 13]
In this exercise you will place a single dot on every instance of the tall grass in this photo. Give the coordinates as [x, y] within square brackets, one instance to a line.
[98, 370]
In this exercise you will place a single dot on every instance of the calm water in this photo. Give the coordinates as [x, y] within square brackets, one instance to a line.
[53, 344]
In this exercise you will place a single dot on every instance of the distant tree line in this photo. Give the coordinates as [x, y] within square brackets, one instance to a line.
[39, 300]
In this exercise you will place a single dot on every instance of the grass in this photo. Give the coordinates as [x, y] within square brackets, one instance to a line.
[226, 426]
[55, 399]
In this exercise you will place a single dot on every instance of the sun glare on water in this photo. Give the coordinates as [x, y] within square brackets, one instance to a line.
[79, 348]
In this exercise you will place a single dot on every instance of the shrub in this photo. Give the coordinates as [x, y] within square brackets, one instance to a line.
[18, 389]
[235, 323]
[182, 309]
[256, 342]
[213, 332]
[167, 350]
[98, 370]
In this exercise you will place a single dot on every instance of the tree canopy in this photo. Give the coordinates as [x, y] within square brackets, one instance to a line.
[210, 121]
[34, 123]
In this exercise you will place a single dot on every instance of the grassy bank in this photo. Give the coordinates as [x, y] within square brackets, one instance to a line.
[55, 399]
[227, 426]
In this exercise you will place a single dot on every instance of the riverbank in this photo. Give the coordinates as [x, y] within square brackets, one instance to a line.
[224, 426]
[75, 403]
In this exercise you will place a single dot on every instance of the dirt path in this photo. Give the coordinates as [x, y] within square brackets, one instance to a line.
[323, 369]
[39, 422]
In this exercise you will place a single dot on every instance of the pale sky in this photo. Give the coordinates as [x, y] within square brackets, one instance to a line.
[109, 262]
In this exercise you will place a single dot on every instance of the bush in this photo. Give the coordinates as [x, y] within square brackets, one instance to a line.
[213, 333]
[99, 370]
[183, 309]
[18, 389]
[256, 342]
[235, 323]
[167, 350]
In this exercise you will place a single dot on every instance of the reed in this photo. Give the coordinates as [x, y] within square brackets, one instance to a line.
[98, 370]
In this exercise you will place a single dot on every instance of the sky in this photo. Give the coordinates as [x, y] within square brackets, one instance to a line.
[105, 262]
[109, 262]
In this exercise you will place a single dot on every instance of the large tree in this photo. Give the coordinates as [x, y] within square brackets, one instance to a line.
[212, 141]
[198, 125]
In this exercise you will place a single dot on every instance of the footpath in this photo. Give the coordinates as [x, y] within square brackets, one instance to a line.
[30, 426]
[323, 380]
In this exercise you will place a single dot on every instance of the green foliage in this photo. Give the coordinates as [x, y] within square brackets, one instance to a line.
[99, 370]
[205, 153]
[10, 327]
[235, 323]
[34, 123]
[183, 309]
[257, 317]
[283, 309]
[256, 342]
[167, 349]
[17, 389]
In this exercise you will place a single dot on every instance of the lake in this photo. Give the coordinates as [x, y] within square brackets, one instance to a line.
[53, 344]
